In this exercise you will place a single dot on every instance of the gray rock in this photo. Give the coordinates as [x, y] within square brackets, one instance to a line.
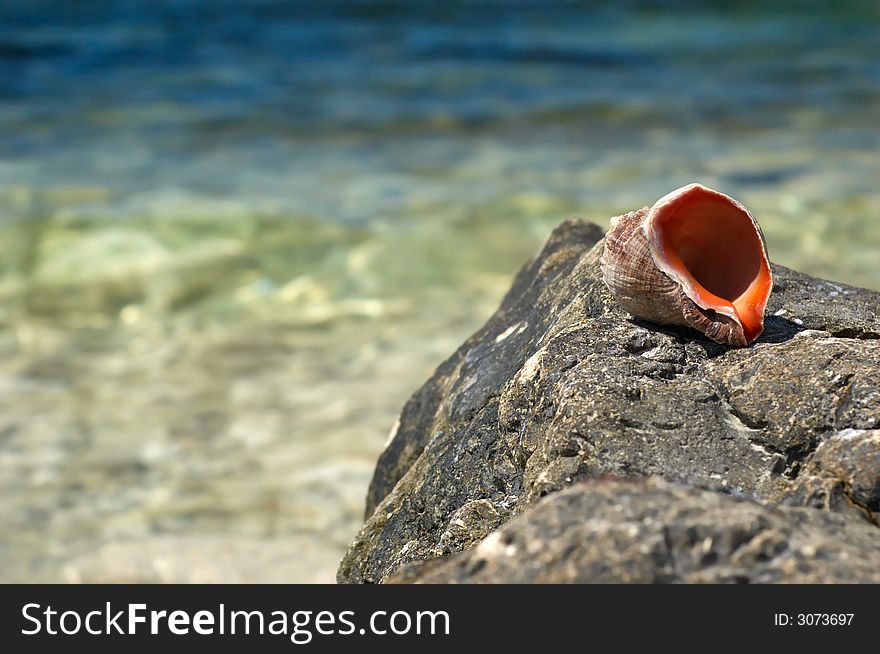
[562, 385]
[843, 474]
[652, 531]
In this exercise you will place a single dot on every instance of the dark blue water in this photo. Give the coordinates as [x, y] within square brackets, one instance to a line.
[256, 82]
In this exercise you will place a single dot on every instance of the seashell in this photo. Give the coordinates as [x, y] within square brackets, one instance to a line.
[697, 258]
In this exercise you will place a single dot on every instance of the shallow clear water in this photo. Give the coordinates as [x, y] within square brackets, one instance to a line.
[237, 235]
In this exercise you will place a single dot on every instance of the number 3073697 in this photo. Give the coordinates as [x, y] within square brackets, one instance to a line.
[813, 619]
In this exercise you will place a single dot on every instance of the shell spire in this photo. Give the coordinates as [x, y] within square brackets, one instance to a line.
[696, 258]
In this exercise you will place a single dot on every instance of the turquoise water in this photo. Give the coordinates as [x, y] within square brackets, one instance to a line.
[237, 235]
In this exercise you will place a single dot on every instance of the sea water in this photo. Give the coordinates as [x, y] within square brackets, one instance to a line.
[236, 236]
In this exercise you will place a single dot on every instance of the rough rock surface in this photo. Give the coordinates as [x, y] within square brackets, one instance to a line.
[652, 531]
[562, 385]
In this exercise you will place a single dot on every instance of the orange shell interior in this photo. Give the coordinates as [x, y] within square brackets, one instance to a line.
[713, 243]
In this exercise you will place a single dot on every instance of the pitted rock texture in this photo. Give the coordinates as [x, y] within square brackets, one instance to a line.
[562, 385]
[652, 531]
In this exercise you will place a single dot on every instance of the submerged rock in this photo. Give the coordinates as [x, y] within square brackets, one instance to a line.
[562, 385]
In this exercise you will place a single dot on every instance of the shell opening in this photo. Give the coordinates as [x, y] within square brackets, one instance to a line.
[713, 245]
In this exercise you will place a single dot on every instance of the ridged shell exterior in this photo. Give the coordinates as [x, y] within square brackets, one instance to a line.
[632, 276]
